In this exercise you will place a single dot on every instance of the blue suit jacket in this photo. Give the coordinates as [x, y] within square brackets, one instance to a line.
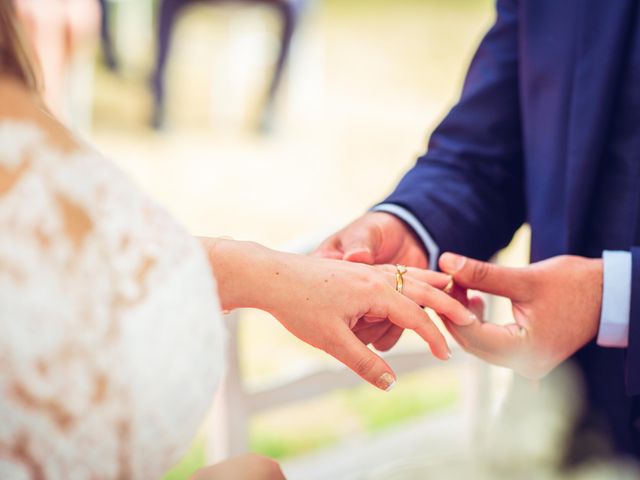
[527, 142]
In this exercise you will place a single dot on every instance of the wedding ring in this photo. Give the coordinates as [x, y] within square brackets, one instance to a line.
[449, 287]
[400, 271]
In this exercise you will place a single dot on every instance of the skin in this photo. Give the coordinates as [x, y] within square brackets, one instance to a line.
[376, 238]
[252, 467]
[556, 303]
[556, 309]
[321, 301]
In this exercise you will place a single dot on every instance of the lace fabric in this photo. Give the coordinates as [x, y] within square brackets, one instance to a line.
[111, 342]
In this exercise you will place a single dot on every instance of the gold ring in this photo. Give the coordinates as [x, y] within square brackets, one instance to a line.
[400, 271]
[449, 286]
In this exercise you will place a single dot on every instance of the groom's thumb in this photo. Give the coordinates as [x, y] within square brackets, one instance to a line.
[485, 277]
[358, 357]
[359, 247]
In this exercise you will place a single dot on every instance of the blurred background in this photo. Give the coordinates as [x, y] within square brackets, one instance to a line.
[280, 121]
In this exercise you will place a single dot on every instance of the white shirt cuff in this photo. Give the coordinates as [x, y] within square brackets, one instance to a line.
[616, 299]
[410, 219]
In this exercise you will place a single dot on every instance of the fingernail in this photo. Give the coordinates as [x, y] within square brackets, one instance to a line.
[449, 354]
[451, 263]
[472, 318]
[353, 251]
[386, 381]
[358, 255]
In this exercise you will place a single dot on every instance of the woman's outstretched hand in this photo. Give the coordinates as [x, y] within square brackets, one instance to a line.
[320, 301]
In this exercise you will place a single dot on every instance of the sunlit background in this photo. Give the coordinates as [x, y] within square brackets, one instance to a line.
[365, 82]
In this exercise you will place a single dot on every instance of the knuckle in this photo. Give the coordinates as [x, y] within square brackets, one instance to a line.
[480, 272]
[365, 365]
[375, 281]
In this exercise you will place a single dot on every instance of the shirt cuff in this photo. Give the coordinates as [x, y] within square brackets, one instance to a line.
[410, 219]
[616, 299]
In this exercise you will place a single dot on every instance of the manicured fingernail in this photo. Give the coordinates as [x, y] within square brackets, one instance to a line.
[357, 251]
[451, 263]
[386, 382]
[449, 354]
[469, 320]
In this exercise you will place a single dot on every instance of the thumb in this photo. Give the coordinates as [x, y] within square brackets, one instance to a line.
[347, 349]
[486, 277]
[360, 245]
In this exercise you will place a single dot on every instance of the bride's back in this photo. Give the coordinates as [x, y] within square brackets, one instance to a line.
[110, 337]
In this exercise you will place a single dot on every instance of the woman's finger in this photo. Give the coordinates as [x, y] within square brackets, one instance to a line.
[389, 339]
[405, 313]
[346, 348]
[437, 280]
[476, 305]
[441, 303]
[373, 332]
[426, 295]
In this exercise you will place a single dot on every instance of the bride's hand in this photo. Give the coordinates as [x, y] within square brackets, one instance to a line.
[321, 300]
[244, 467]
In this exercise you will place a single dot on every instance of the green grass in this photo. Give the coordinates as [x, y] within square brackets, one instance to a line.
[309, 426]
[413, 397]
[303, 428]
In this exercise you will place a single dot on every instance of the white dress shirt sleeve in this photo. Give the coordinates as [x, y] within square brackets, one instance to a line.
[616, 299]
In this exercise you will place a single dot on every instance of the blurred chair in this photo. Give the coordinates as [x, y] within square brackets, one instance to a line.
[289, 12]
[106, 37]
[123, 23]
[227, 431]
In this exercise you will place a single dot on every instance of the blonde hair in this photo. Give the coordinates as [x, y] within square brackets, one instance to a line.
[16, 58]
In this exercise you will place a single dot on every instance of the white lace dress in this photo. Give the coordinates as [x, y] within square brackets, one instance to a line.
[111, 343]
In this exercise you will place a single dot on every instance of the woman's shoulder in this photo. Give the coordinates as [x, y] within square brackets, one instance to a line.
[110, 338]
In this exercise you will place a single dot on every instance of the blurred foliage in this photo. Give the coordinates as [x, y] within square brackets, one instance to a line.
[311, 425]
[306, 427]
[414, 396]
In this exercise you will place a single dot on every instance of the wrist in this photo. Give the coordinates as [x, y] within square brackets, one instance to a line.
[413, 246]
[596, 276]
[239, 267]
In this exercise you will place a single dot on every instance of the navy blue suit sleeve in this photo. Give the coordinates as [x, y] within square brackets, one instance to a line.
[633, 348]
[467, 190]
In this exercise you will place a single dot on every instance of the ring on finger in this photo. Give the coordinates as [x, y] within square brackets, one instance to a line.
[448, 288]
[400, 271]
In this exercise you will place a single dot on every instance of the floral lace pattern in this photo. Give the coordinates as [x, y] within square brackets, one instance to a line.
[111, 343]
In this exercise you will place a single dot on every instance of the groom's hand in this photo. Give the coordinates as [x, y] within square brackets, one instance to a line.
[376, 238]
[556, 308]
